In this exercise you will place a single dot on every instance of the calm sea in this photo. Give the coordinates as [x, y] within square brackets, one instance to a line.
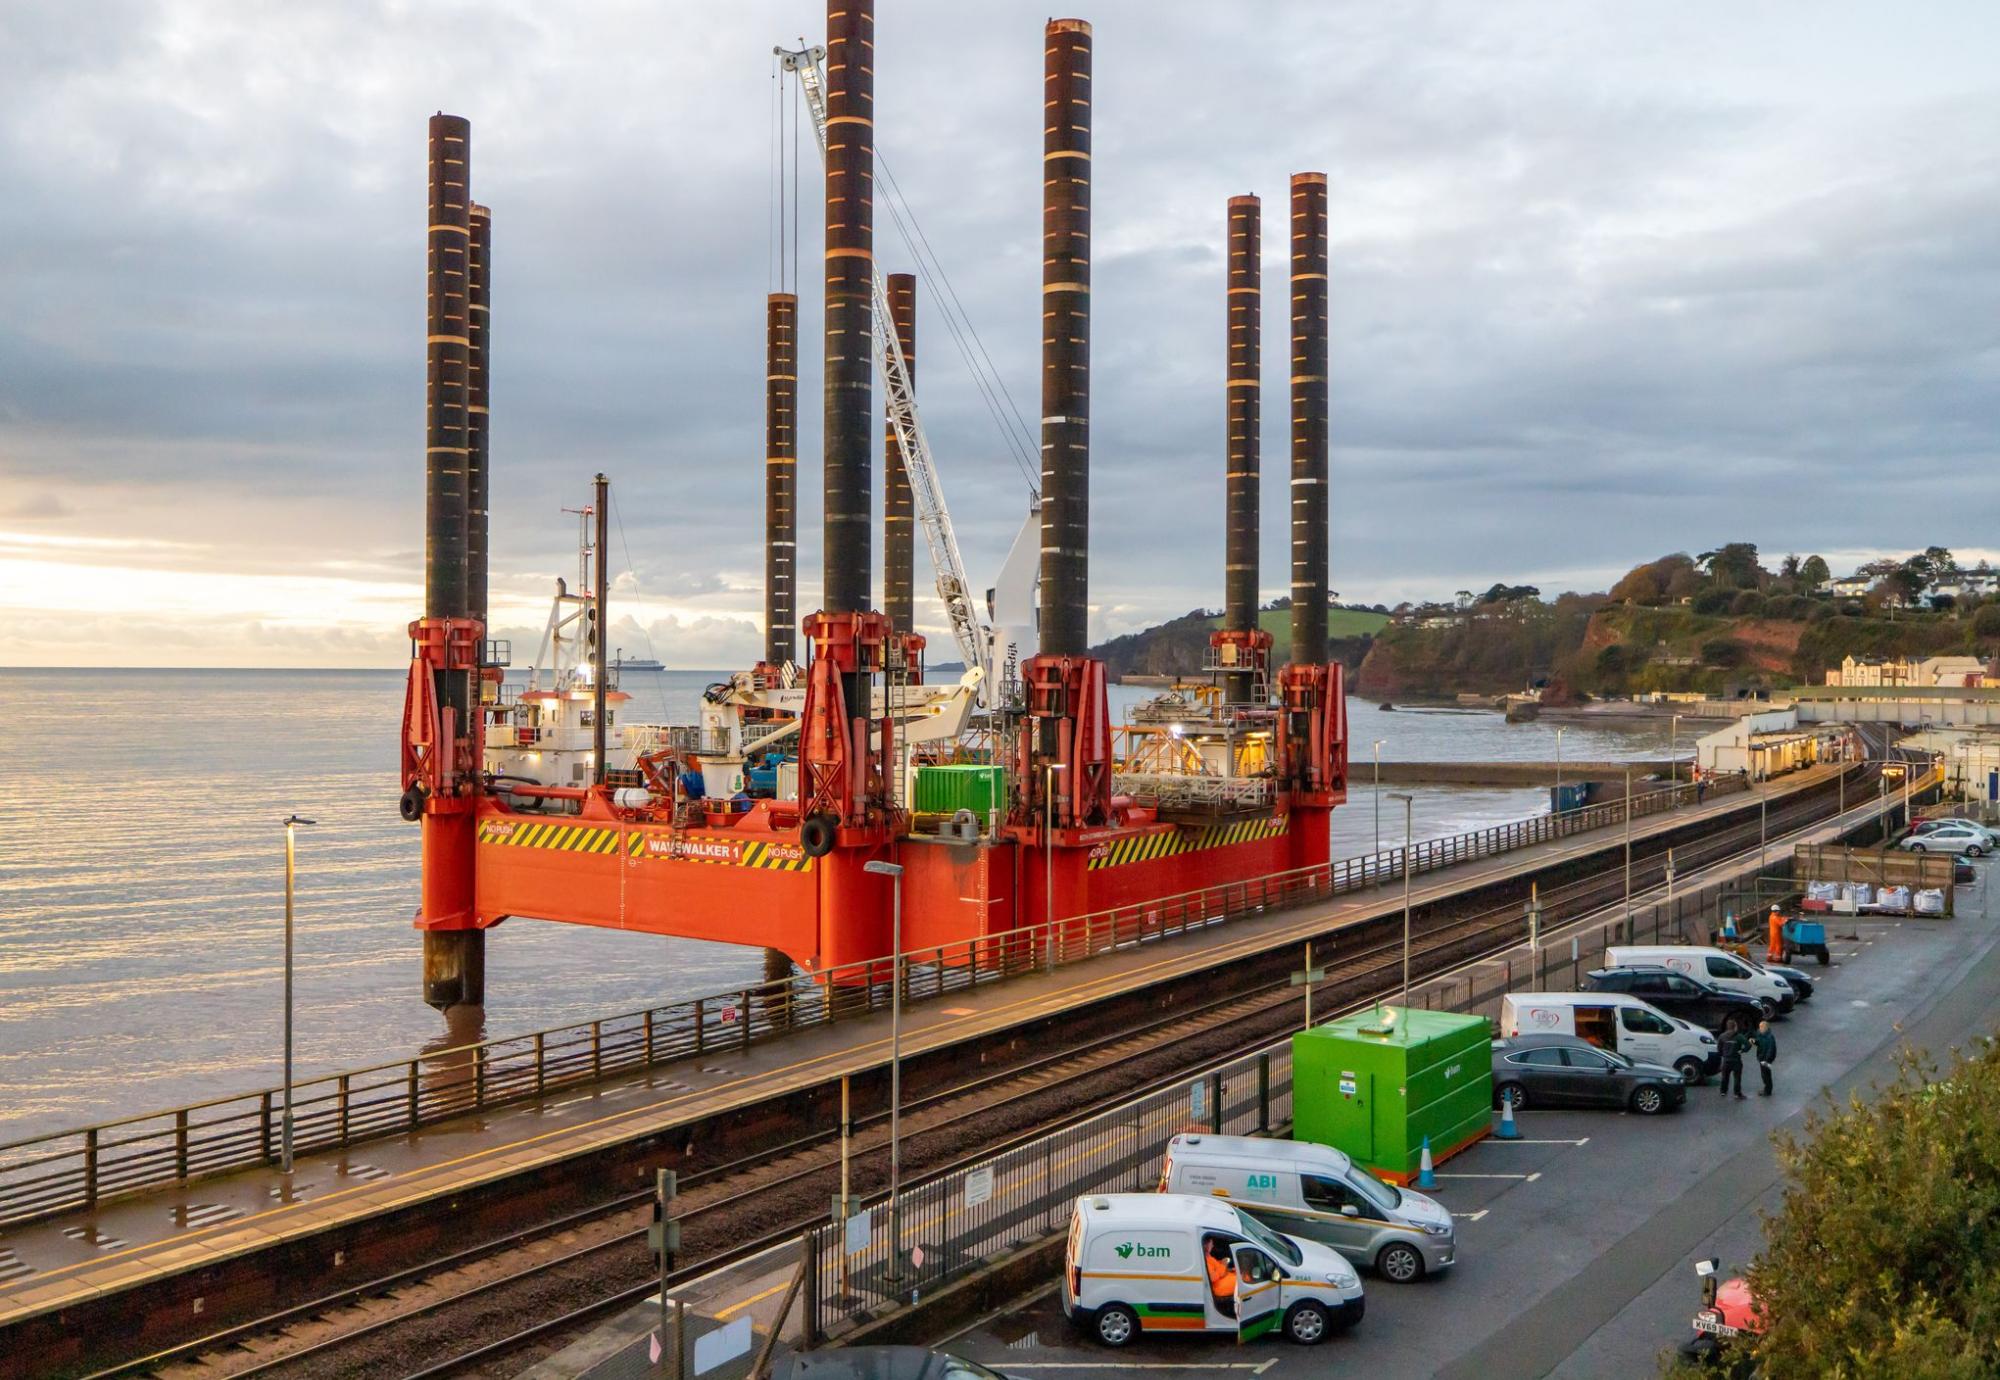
[141, 881]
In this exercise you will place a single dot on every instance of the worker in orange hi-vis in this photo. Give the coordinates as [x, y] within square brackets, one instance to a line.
[1776, 952]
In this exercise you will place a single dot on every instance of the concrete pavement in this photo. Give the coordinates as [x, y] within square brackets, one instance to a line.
[1577, 1244]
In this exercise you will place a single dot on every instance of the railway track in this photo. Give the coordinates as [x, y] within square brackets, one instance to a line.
[440, 1318]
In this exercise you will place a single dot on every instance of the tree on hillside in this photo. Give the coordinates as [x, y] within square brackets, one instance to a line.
[1986, 622]
[1788, 569]
[1928, 566]
[1884, 1258]
[1657, 582]
[1813, 572]
[1733, 565]
[1509, 594]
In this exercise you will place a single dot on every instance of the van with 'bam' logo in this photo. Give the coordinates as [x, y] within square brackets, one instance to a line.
[1163, 1262]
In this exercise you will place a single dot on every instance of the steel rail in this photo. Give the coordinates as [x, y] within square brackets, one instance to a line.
[43, 1175]
[1448, 933]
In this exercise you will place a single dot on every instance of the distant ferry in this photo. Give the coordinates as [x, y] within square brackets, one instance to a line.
[636, 663]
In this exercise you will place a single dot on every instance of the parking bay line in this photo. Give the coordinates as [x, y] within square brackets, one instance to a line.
[1526, 1178]
[1473, 1216]
[1254, 1367]
[1584, 1141]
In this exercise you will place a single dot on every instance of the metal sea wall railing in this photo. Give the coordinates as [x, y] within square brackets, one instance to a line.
[79, 1169]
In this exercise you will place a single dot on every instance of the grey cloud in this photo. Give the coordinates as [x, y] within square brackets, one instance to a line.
[1605, 282]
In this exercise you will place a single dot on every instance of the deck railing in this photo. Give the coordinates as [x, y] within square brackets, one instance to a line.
[78, 1169]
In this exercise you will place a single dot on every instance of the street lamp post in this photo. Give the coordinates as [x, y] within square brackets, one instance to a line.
[894, 872]
[1559, 779]
[1408, 801]
[1049, 857]
[291, 869]
[1628, 855]
[1378, 797]
[1674, 760]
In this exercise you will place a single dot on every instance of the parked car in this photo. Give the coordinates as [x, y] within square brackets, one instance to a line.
[1563, 1071]
[1957, 837]
[1925, 826]
[884, 1363]
[1795, 978]
[1316, 1193]
[1138, 1262]
[1677, 994]
[1716, 967]
[1614, 1021]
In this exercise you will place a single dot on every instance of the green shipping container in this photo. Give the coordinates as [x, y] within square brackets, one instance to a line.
[947, 790]
[1376, 1088]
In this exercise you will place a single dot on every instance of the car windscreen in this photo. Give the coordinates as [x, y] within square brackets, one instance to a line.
[1384, 1196]
[1268, 1239]
[958, 1368]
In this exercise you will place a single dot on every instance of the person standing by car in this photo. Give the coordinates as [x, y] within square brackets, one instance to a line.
[1767, 1055]
[1732, 1058]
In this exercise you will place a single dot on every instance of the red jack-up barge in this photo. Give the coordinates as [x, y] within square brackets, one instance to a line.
[1079, 834]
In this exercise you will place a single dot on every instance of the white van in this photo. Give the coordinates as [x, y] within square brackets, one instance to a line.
[1717, 967]
[1641, 1032]
[1138, 1262]
[1316, 1193]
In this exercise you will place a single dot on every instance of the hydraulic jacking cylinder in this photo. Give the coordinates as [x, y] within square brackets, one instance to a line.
[781, 478]
[1244, 394]
[899, 530]
[441, 732]
[1309, 419]
[1066, 339]
[847, 571]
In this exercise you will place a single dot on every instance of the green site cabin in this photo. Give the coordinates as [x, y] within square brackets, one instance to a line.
[1375, 1084]
[948, 789]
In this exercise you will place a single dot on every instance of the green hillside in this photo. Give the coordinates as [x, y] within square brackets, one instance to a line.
[1179, 647]
[1339, 622]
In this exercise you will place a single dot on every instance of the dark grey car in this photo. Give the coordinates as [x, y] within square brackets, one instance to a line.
[1563, 1071]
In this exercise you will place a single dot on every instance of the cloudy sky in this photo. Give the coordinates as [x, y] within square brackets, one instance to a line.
[1608, 280]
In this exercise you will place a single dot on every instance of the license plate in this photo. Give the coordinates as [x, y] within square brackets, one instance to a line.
[1715, 1327]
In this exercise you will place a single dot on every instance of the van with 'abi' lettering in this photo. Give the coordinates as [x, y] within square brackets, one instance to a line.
[1167, 1262]
[1317, 1193]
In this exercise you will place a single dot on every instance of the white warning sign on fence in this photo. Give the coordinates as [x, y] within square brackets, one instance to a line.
[724, 1344]
[979, 1186]
[858, 1233]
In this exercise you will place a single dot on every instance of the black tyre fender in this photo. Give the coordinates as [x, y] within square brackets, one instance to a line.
[1520, 1095]
[412, 804]
[1649, 1100]
[1307, 1322]
[1693, 1070]
[817, 834]
[1115, 1325]
[1823, 956]
[1973, 850]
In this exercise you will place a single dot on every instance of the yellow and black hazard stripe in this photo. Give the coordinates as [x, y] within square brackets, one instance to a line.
[773, 859]
[1146, 847]
[567, 838]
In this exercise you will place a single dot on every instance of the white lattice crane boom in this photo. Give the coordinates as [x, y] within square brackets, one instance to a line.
[974, 643]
